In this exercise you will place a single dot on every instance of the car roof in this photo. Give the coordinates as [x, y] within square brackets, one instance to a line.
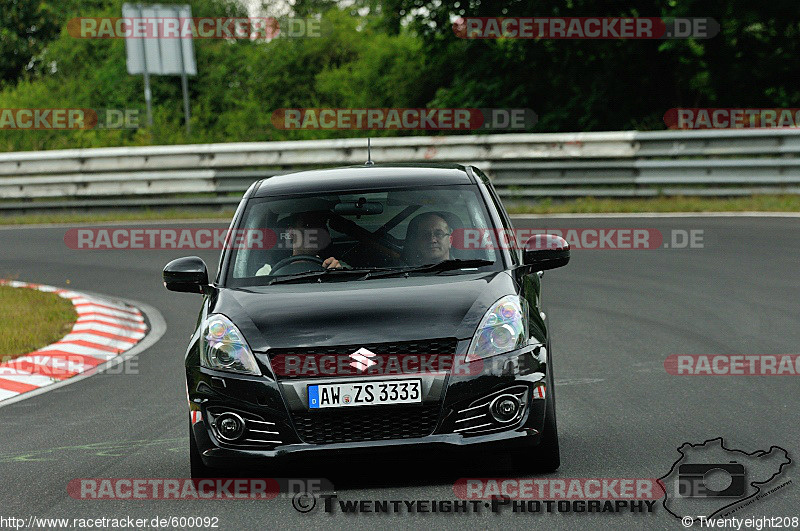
[364, 177]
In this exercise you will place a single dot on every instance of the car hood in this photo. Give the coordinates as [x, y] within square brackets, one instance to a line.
[351, 312]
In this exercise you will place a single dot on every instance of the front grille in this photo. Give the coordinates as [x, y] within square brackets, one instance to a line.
[311, 362]
[366, 424]
[422, 346]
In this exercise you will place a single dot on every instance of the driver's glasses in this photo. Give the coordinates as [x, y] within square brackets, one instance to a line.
[425, 234]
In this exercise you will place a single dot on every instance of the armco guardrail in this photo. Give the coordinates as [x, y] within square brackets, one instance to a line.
[523, 166]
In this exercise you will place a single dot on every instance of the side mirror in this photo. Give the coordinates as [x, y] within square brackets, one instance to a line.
[188, 274]
[545, 251]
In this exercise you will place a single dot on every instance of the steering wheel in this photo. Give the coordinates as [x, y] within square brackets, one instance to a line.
[314, 262]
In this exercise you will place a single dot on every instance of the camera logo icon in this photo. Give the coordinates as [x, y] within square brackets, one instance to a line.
[719, 480]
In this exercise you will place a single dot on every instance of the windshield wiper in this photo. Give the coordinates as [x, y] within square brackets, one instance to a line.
[316, 274]
[380, 272]
[438, 267]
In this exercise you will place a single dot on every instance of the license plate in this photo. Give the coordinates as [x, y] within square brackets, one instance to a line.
[364, 394]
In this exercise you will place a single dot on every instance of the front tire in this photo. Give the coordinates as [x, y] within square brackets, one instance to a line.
[543, 457]
[547, 456]
[198, 469]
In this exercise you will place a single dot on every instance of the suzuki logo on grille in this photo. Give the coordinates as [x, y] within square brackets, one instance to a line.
[363, 361]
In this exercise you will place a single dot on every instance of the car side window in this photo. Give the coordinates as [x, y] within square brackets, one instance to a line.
[516, 254]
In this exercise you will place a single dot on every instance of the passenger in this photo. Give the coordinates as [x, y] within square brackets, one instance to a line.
[428, 240]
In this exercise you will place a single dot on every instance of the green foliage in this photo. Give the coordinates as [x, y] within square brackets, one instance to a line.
[385, 53]
[239, 85]
[584, 85]
[26, 27]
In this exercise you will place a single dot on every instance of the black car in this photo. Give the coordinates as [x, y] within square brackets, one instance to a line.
[370, 307]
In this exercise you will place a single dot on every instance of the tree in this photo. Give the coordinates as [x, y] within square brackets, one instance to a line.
[577, 85]
[26, 27]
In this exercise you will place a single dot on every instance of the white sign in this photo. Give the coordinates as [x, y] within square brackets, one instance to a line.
[164, 55]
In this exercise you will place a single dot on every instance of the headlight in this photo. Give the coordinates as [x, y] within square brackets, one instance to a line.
[223, 347]
[504, 328]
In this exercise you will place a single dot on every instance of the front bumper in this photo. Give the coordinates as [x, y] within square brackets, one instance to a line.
[448, 418]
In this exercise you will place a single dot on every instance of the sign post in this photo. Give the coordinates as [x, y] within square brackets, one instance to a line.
[148, 94]
[148, 52]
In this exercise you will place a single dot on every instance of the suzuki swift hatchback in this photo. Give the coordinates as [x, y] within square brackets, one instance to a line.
[366, 307]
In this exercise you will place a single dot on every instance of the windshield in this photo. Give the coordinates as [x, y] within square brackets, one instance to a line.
[358, 231]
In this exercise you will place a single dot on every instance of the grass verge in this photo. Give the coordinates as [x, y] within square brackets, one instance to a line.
[31, 320]
[93, 217]
[592, 205]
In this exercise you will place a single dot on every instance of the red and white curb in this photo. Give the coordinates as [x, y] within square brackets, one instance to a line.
[104, 330]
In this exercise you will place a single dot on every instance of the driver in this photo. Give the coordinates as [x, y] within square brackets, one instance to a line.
[310, 237]
[428, 239]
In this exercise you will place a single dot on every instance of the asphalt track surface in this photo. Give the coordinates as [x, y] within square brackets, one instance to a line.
[615, 315]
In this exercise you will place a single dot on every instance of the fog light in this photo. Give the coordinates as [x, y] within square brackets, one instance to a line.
[505, 408]
[230, 426]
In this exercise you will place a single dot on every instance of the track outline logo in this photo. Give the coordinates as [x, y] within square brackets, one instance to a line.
[755, 484]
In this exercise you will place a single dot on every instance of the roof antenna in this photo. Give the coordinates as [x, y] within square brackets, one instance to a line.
[369, 154]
